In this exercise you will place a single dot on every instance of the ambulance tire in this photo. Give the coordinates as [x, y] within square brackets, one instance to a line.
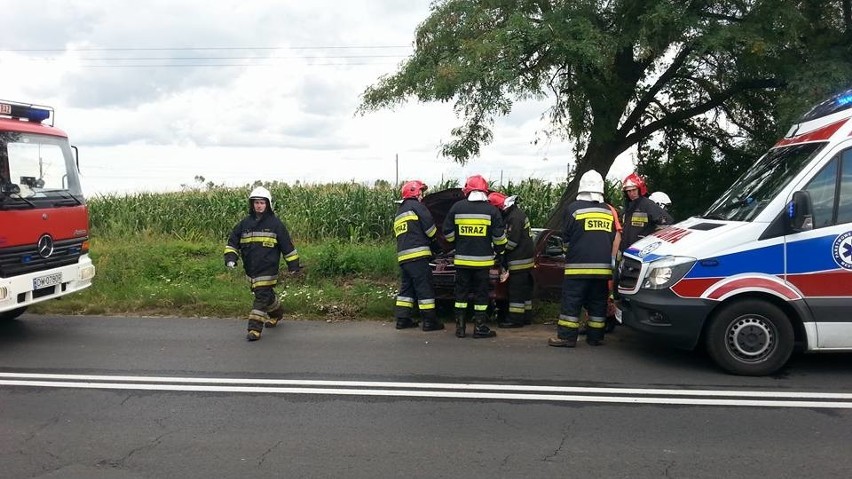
[12, 314]
[750, 338]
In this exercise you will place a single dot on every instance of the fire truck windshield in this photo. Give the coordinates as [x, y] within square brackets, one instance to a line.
[37, 171]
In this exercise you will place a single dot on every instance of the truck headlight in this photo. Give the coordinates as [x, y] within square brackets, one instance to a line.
[667, 271]
[87, 272]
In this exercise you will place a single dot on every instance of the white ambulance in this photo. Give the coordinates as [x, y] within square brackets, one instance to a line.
[768, 268]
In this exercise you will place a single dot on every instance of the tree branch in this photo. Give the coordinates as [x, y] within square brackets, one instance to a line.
[649, 95]
[714, 102]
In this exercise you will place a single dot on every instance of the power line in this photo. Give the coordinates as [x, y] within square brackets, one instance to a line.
[298, 57]
[242, 65]
[205, 61]
[136, 49]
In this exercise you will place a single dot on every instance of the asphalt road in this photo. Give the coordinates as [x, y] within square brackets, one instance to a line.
[100, 397]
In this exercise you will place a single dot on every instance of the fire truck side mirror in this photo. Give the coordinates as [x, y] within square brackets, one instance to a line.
[7, 188]
[800, 212]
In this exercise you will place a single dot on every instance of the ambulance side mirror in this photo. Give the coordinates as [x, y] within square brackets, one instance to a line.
[800, 212]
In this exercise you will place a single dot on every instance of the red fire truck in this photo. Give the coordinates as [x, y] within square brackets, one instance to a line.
[44, 221]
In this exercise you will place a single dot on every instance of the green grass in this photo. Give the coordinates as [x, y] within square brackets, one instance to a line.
[151, 274]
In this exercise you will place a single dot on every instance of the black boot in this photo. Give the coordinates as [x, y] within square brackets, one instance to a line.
[512, 321]
[404, 323]
[274, 317]
[482, 330]
[460, 324]
[433, 325]
[595, 336]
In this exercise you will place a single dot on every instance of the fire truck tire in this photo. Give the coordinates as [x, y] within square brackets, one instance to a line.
[750, 337]
[12, 314]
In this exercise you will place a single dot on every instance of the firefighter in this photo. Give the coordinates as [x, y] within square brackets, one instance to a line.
[415, 231]
[476, 229]
[591, 241]
[641, 215]
[518, 260]
[260, 239]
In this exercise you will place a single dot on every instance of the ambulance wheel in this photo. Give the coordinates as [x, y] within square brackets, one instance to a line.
[750, 338]
[12, 314]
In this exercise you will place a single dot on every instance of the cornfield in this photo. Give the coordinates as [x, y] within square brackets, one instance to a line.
[349, 212]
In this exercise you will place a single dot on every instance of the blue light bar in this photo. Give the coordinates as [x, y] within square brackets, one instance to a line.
[844, 99]
[27, 112]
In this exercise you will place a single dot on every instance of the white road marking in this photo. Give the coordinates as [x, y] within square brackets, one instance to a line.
[509, 392]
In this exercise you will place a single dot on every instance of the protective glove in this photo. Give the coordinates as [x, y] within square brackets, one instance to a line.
[230, 265]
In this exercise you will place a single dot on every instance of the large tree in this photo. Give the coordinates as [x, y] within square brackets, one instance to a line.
[620, 73]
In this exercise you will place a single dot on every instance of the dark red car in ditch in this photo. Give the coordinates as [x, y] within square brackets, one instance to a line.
[549, 258]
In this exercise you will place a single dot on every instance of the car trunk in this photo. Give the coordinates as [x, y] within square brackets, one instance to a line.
[443, 269]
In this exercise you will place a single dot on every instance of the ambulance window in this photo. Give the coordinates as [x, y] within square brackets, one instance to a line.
[822, 189]
[844, 211]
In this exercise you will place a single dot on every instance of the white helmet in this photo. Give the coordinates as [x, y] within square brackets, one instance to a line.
[260, 192]
[591, 187]
[661, 199]
[591, 182]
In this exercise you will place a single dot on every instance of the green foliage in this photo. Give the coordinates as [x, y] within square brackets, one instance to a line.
[346, 211]
[693, 178]
[624, 73]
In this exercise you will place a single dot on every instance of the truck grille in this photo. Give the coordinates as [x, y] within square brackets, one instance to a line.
[18, 260]
[630, 269]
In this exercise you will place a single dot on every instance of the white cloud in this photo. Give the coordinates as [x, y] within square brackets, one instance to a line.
[156, 92]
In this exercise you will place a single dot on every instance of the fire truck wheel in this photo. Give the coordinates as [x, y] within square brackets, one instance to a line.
[12, 314]
[750, 337]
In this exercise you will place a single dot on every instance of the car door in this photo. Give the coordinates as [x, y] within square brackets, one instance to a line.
[819, 260]
[549, 265]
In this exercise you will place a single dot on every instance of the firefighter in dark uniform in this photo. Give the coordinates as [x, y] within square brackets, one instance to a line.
[415, 231]
[518, 260]
[260, 240]
[590, 237]
[476, 229]
[642, 216]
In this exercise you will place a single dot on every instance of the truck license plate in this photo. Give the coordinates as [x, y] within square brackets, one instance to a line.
[47, 280]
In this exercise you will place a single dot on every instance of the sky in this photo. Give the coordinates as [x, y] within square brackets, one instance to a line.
[159, 92]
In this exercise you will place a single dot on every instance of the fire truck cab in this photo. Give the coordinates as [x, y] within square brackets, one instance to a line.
[768, 267]
[44, 221]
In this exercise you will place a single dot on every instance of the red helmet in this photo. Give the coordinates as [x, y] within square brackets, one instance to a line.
[475, 183]
[635, 181]
[497, 199]
[413, 188]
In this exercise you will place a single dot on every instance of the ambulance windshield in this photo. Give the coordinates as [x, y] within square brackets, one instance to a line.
[747, 197]
[37, 171]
